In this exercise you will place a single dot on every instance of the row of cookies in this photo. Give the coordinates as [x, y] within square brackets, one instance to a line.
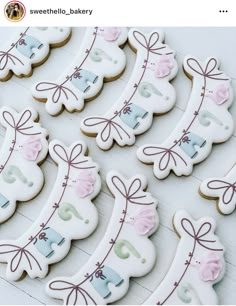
[206, 120]
[148, 92]
[70, 214]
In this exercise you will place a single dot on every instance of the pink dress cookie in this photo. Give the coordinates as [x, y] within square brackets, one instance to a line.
[198, 265]
[205, 121]
[68, 214]
[24, 148]
[99, 59]
[124, 251]
[148, 92]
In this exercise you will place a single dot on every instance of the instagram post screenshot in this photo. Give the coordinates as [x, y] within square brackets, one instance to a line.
[117, 152]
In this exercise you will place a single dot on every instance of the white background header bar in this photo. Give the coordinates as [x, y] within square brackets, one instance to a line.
[125, 13]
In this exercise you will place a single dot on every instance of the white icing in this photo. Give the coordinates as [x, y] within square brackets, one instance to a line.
[11, 59]
[48, 240]
[208, 120]
[62, 92]
[160, 94]
[183, 274]
[19, 128]
[129, 198]
[223, 190]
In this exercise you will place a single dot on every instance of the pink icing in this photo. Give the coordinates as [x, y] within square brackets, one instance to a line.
[162, 67]
[84, 184]
[220, 94]
[31, 147]
[110, 33]
[144, 220]
[210, 267]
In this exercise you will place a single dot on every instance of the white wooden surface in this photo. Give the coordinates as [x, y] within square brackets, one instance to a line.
[173, 193]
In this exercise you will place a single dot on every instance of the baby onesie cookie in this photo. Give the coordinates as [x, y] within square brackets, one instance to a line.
[198, 264]
[221, 189]
[148, 92]
[205, 121]
[68, 214]
[100, 59]
[25, 146]
[29, 48]
[124, 251]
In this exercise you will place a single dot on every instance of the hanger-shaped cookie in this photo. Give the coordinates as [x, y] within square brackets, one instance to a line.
[205, 121]
[221, 189]
[29, 47]
[147, 93]
[100, 59]
[68, 214]
[25, 146]
[198, 265]
[124, 251]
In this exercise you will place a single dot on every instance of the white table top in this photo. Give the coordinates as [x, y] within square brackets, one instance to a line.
[173, 193]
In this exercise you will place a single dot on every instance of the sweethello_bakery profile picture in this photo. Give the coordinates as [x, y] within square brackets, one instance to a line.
[14, 11]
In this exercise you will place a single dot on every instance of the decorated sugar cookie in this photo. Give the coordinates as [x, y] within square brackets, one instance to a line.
[205, 121]
[99, 59]
[124, 251]
[24, 148]
[198, 265]
[223, 190]
[29, 47]
[68, 214]
[147, 93]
